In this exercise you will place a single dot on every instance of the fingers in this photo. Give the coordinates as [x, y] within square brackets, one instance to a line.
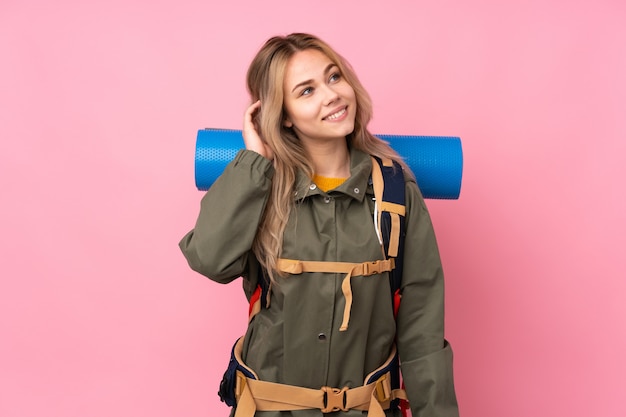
[249, 115]
[251, 136]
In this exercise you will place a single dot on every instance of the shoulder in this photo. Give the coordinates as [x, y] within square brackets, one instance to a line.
[413, 195]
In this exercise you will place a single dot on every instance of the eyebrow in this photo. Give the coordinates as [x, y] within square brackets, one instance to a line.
[326, 70]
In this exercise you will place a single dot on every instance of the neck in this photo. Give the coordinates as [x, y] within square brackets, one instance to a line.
[331, 159]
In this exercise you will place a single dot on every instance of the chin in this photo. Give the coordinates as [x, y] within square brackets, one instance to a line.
[348, 130]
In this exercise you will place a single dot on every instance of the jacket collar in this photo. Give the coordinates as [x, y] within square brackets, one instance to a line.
[357, 186]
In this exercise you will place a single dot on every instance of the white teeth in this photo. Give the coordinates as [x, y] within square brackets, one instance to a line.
[336, 115]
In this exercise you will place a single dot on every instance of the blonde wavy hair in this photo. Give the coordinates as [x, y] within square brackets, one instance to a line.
[265, 82]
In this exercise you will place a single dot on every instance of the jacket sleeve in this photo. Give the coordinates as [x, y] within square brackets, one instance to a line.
[426, 357]
[219, 246]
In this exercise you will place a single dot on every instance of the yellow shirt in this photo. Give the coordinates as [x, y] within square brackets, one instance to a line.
[327, 183]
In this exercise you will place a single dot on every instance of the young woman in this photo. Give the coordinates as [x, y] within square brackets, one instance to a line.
[297, 202]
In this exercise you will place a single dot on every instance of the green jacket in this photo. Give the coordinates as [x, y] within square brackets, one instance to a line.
[297, 339]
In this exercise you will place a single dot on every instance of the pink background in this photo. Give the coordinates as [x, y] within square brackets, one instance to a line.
[99, 107]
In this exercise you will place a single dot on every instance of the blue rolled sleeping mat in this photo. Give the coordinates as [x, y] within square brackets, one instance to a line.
[436, 161]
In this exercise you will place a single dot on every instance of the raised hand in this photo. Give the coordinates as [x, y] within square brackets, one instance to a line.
[251, 137]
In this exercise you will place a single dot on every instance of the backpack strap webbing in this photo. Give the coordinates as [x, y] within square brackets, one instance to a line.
[293, 266]
[389, 214]
[251, 394]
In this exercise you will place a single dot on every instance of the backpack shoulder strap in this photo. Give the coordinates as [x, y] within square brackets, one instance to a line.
[389, 216]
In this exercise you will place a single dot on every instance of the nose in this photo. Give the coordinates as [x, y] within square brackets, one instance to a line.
[330, 95]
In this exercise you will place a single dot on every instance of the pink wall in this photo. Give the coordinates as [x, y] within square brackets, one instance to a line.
[99, 104]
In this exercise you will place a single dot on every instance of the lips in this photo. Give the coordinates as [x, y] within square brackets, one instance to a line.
[337, 114]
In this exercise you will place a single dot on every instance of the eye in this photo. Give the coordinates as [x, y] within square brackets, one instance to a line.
[334, 77]
[306, 91]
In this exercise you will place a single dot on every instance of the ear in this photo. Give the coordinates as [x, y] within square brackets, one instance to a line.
[287, 123]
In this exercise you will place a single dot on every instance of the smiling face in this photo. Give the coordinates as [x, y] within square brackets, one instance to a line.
[319, 103]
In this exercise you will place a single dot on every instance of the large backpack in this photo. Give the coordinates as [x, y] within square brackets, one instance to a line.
[389, 220]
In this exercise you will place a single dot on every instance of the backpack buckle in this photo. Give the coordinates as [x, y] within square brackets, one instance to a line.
[376, 267]
[382, 389]
[334, 399]
[371, 268]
